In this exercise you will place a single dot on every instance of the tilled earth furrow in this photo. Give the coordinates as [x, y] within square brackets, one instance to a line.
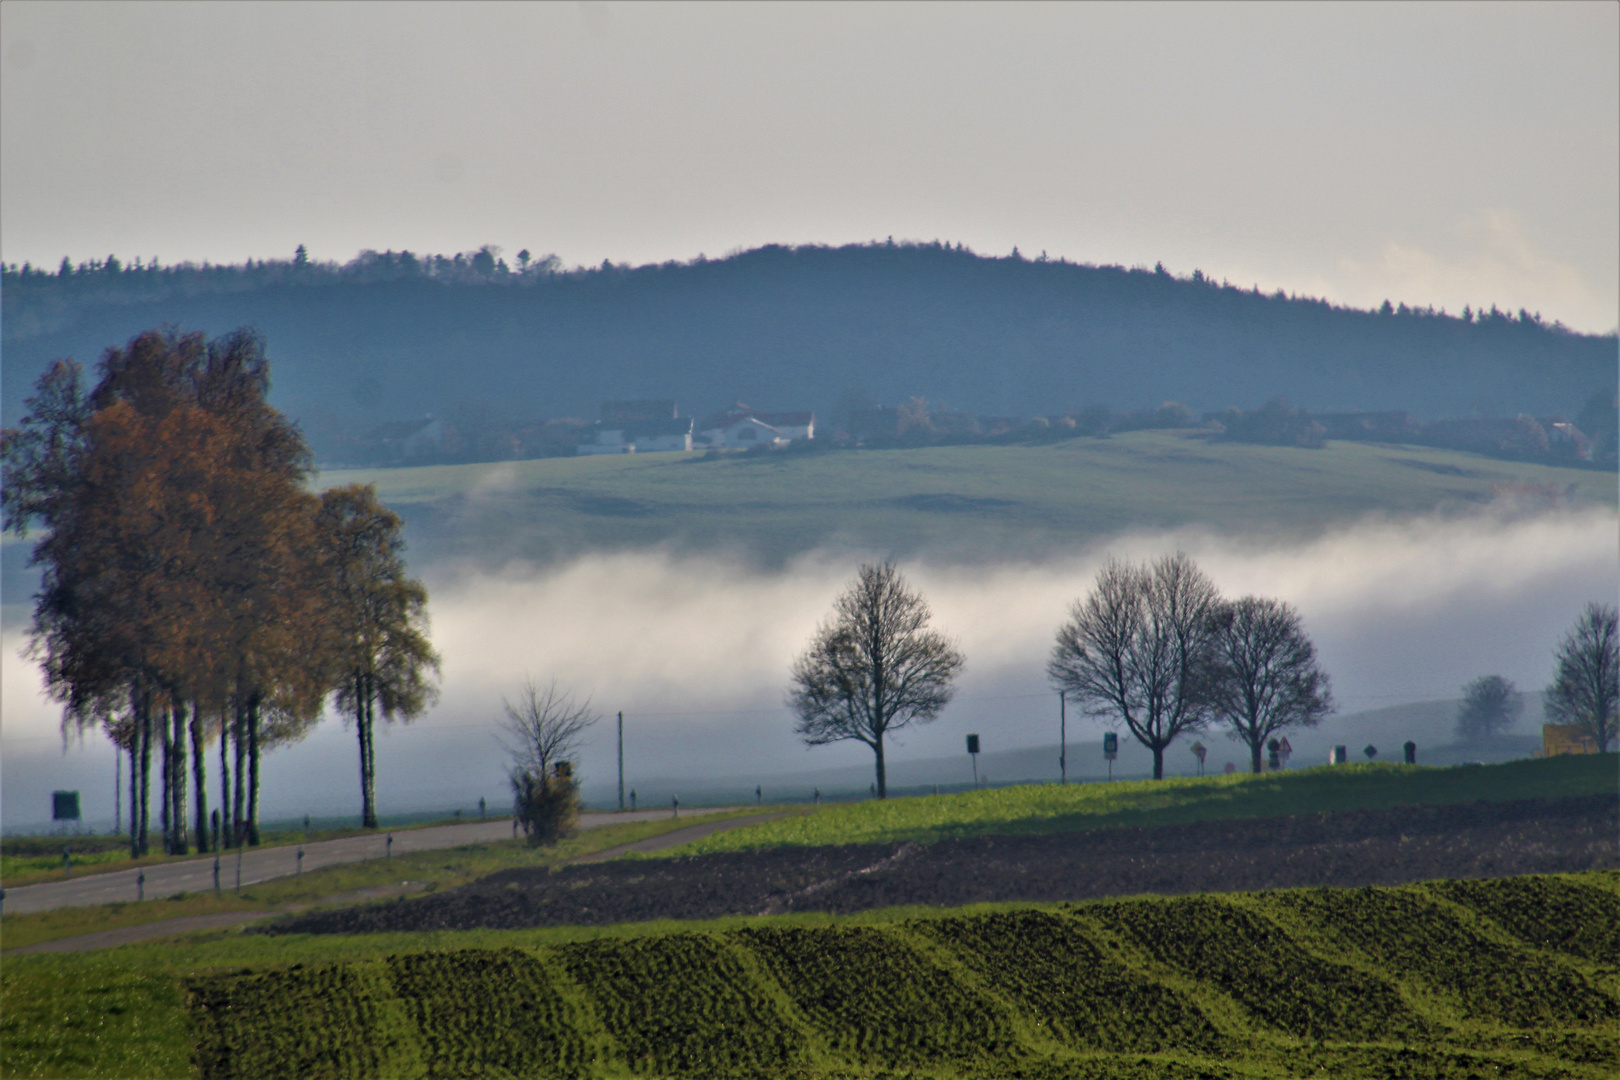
[1353, 848]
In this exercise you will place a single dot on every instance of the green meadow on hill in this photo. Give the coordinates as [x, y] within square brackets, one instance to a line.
[947, 499]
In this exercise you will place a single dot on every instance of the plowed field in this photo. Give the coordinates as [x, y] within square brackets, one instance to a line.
[1352, 848]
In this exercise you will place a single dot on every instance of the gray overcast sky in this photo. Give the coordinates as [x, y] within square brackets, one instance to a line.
[1443, 154]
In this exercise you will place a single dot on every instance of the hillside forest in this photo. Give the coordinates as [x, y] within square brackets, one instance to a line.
[925, 342]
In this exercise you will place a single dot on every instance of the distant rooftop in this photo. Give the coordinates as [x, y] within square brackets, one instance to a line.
[626, 412]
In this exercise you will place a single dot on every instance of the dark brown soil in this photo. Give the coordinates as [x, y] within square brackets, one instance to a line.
[1354, 847]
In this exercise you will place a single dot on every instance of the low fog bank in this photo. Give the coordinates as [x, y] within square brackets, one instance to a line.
[695, 650]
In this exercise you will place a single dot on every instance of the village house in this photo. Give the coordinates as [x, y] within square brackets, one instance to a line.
[741, 428]
[638, 427]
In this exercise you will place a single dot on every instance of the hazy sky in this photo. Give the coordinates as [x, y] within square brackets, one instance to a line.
[1446, 154]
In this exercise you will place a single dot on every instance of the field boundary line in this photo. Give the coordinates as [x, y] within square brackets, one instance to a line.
[674, 838]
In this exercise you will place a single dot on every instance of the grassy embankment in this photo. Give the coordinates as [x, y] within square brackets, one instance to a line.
[430, 870]
[29, 860]
[1511, 978]
[1056, 808]
[1008, 499]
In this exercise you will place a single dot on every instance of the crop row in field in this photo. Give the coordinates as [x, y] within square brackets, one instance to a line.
[1414, 980]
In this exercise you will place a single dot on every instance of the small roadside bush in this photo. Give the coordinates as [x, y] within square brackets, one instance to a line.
[546, 807]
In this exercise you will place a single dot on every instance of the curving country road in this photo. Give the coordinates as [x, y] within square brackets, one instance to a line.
[197, 875]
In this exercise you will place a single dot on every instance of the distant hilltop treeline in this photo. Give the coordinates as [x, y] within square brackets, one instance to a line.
[394, 334]
[114, 279]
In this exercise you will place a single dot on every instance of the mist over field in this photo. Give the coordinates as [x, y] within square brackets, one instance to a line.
[695, 650]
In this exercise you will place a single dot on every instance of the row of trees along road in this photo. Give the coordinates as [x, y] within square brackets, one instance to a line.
[1157, 648]
[1152, 646]
[193, 590]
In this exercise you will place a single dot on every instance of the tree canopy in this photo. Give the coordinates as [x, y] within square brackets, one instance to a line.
[1263, 674]
[1137, 650]
[186, 582]
[1585, 690]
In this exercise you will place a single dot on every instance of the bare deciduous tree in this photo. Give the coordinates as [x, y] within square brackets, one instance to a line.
[1264, 677]
[1490, 704]
[545, 725]
[874, 668]
[1585, 691]
[1138, 648]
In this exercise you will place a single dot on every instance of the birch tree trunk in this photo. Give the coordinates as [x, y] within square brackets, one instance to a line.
[239, 799]
[199, 777]
[135, 791]
[224, 778]
[177, 783]
[253, 771]
[144, 722]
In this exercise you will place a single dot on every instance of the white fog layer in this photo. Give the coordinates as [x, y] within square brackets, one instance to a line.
[695, 651]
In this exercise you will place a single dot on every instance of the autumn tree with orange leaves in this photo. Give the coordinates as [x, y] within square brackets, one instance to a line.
[378, 619]
[185, 594]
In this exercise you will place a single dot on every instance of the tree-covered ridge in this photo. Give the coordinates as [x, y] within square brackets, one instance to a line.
[393, 335]
[111, 277]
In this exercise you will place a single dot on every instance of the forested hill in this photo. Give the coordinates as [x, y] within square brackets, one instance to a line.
[388, 337]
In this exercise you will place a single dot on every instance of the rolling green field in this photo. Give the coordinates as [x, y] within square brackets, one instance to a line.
[1020, 499]
[1056, 808]
[1515, 977]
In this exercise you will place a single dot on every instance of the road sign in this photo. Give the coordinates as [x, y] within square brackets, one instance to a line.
[1110, 745]
[64, 806]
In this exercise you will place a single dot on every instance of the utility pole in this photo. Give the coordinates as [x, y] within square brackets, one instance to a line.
[621, 760]
[1063, 737]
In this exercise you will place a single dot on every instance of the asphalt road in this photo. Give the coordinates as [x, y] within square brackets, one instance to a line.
[108, 939]
[197, 875]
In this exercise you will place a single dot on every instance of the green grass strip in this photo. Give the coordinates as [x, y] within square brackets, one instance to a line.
[1051, 808]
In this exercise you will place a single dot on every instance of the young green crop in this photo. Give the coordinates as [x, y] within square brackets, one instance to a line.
[482, 1012]
[874, 997]
[1359, 983]
[1054, 969]
[1280, 983]
[685, 1002]
[1577, 917]
[1403, 931]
